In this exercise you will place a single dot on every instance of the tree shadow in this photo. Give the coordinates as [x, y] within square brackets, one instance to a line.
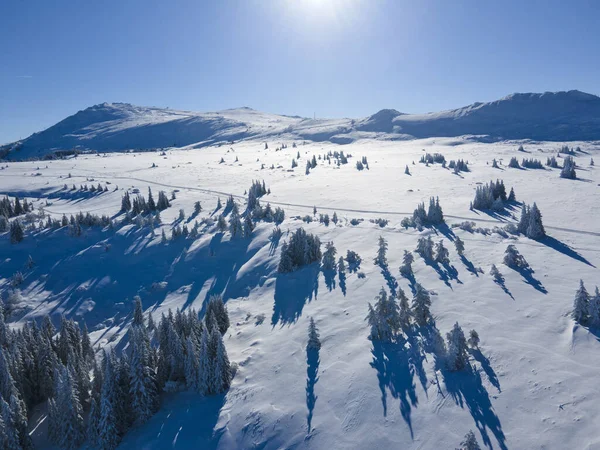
[446, 231]
[502, 283]
[354, 266]
[292, 291]
[527, 274]
[312, 372]
[329, 276]
[469, 265]
[395, 375]
[466, 389]
[563, 248]
[487, 368]
[390, 279]
[176, 424]
[342, 277]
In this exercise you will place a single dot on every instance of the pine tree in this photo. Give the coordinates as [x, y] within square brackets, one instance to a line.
[407, 260]
[328, 261]
[69, 431]
[421, 305]
[513, 259]
[404, 310]
[442, 254]
[221, 223]
[216, 309]
[144, 397]
[313, 336]
[204, 364]
[425, 248]
[191, 365]
[581, 304]
[473, 339]
[535, 228]
[221, 368]
[469, 442]
[108, 437]
[381, 258]
[594, 308]
[457, 355]
[151, 204]
[384, 317]
[16, 232]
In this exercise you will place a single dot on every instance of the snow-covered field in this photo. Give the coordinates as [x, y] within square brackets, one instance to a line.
[532, 385]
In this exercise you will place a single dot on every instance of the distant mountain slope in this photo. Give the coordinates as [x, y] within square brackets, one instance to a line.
[555, 116]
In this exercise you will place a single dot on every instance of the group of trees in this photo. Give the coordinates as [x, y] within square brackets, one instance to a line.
[586, 307]
[421, 217]
[530, 223]
[429, 158]
[301, 250]
[140, 205]
[532, 163]
[14, 208]
[391, 315]
[257, 190]
[568, 169]
[492, 196]
[459, 165]
[39, 364]
[552, 162]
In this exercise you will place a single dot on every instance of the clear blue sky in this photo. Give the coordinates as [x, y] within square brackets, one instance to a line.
[338, 58]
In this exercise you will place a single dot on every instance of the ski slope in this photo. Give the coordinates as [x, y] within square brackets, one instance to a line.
[532, 385]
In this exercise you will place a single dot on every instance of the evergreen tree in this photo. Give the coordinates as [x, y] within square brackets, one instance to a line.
[404, 310]
[425, 248]
[328, 261]
[473, 339]
[581, 304]
[144, 397]
[216, 309]
[68, 422]
[421, 305]
[459, 245]
[313, 336]
[381, 258]
[384, 317]
[151, 204]
[407, 260]
[535, 228]
[594, 308]
[457, 355]
[441, 253]
[513, 259]
[469, 442]
[108, 437]
[16, 232]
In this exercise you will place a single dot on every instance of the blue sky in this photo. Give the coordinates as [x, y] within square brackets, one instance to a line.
[335, 58]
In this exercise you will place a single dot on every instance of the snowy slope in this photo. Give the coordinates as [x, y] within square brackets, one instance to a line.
[533, 385]
[555, 116]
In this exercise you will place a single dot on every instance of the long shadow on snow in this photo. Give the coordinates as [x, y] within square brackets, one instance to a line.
[186, 420]
[292, 291]
[395, 374]
[466, 389]
[527, 274]
[487, 368]
[312, 376]
[563, 248]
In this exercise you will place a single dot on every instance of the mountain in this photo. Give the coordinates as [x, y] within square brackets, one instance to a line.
[554, 116]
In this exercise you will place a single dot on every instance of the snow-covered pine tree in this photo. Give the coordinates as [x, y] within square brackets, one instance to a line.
[513, 259]
[313, 336]
[473, 339]
[16, 232]
[594, 308]
[442, 256]
[381, 258]
[406, 267]
[469, 442]
[404, 310]
[143, 394]
[425, 248]
[328, 261]
[457, 356]
[108, 437]
[581, 304]
[459, 245]
[535, 228]
[216, 309]
[420, 305]
[494, 272]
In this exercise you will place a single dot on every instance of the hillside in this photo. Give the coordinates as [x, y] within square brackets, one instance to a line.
[532, 383]
[558, 116]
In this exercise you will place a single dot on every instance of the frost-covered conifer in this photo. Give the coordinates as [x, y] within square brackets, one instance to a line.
[197, 208]
[513, 259]
[425, 248]
[216, 309]
[384, 317]
[16, 231]
[313, 336]
[473, 339]
[328, 261]
[535, 228]
[421, 304]
[441, 253]
[469, 442]
[594, 308]
[581, 304]
[381, 258]
[406, 267]
[457, 356]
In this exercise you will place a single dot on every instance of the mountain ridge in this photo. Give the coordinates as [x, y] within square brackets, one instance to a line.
[551, 116]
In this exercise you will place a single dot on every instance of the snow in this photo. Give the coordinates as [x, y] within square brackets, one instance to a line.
[554, 116]
[533, 385]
